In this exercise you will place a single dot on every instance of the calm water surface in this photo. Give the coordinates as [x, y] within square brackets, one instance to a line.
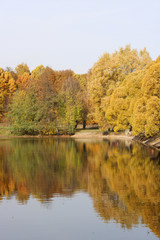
[78, 189]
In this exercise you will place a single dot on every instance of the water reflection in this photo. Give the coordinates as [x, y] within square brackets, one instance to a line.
[122, 179]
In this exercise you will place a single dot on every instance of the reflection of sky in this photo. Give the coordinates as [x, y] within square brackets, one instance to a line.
[73, 34]
[65, 218]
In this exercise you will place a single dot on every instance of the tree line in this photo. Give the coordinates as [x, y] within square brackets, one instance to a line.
[121, 91]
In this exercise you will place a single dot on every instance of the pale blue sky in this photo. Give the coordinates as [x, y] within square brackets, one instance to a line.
[73, 34]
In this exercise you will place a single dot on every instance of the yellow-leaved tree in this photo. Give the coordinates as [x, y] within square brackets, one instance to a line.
[7, 88]
[108, 73]
[146, 114]
[119, 112]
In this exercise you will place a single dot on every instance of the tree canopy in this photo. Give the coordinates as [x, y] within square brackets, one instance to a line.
[121, 91]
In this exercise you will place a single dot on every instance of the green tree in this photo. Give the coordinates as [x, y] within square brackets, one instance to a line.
[23, 112]
[69, 106]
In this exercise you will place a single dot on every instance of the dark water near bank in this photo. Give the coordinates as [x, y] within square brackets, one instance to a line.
[73, 189]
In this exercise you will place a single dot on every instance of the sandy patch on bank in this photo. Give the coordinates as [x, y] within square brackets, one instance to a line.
[99, 135]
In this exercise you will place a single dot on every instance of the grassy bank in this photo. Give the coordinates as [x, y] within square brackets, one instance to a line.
[154, 142]
[5, 129]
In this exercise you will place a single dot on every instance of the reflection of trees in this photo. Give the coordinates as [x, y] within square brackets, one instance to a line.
[128, 186]
[123, 180]
[41, 171]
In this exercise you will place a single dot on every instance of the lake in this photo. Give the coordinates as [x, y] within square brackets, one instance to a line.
[57, 188]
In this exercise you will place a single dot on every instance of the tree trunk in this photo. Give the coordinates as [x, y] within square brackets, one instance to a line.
[84, 124]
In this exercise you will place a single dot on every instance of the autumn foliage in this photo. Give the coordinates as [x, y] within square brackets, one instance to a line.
[121, 91]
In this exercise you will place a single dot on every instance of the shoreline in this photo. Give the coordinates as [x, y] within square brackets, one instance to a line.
[75, 136]
[89, 135]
